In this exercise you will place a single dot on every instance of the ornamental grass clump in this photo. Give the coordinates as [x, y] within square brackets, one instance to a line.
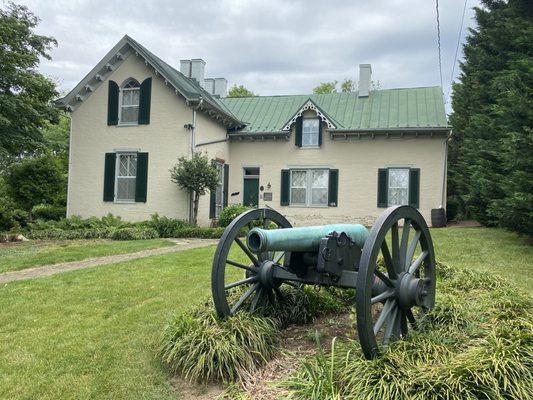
[201, 347]
[477, 343]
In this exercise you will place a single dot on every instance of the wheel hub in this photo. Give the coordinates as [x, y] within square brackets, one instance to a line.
[266, 274]
[411, 290]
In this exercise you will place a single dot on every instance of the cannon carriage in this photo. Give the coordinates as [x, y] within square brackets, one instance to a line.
[391, 267]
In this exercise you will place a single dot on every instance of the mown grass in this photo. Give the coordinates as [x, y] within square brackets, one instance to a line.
[17, 256]
[487, 249]
[95, 333]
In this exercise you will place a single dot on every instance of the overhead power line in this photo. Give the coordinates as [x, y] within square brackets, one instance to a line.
[456, 51]
[438, 42]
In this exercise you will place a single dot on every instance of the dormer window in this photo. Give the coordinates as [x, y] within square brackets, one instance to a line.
[129, 103]
[310, 132]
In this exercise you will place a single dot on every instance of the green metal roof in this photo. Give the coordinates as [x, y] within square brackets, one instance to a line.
[411, 108]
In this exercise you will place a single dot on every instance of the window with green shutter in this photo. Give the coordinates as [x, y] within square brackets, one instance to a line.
[398, 186]
[126, 177]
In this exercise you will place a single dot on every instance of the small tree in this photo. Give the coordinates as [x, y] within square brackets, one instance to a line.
[326, 87]
[196, 175]
[240, 91]
[35, 181]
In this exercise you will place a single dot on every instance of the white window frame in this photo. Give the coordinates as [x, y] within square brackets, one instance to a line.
[312, 145]
[117, 177]
[120, 105]
[389, 187]
[308, 188]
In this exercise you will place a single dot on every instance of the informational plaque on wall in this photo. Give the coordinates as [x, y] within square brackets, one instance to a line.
[267, 196]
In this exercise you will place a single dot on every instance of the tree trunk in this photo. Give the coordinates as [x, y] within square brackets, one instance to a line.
[195, 208]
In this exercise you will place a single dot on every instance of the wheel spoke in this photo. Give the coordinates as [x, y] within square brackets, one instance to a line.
[403, 323]
[243, 298]
[387, 259]
[391, 325]
[411, 250]
[256, 298]
[411, 318]
[239, 265]
[383, 316]
[414, 266]
[395, 246]
[403, 245]
[279, 257]
[247, 251]
[383, 277]
[383, 296]
[266, 223]
[241, 282]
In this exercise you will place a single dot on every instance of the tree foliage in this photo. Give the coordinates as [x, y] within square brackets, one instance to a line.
[491, 152]
[197, 175]
[34, 181]
[346, 86]
[240, 91]
[25, 94]
[326, 87]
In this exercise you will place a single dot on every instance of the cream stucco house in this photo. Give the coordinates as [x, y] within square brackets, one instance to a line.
[339, 157]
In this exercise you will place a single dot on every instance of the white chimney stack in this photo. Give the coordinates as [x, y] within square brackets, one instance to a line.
[185, 67]
[365, 77]
[221, 87]
[198, 70]
[209, 85]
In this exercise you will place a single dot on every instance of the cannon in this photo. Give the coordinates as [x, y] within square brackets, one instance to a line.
[391, 267]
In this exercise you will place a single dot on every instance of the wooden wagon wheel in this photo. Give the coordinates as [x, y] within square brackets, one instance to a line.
[396, 279]
[254, 287]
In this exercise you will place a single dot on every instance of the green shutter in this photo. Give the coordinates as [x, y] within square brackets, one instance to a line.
[285, 187]
[414, 187]
[298, 132]
[226, 184]
[333, 189]
[112, 103]
[383, 187]
[109, 176]
[320, 128]
[141, 181]
[144, 101]
[212, 204]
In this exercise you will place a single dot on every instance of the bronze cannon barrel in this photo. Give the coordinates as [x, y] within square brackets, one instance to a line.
[306, 238]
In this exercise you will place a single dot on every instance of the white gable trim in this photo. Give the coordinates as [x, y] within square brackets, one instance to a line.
[309, 105]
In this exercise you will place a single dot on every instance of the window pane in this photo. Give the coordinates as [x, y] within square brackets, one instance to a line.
[129, 114]
[298, 195]
[319, 196]
[398, 197]
[299, 179]
[125, 188]
[320, 178]
[310, 129]
[123, 166]
[399, 178]
[135, 97]
[132, 165]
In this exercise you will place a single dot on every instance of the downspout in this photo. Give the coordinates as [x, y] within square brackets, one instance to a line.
[69, 116]
[444, 170]
[193, 150]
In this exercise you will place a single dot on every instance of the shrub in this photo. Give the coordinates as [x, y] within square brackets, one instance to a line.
[137, 233]
[166, 227]
[229, 213]
[48, 212]
[201, 347]
[198, 232]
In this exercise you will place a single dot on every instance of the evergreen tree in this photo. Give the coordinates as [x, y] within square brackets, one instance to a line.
[491, 152]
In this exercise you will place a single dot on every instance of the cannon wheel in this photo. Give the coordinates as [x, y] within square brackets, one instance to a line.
[393, 291]
[256, 292]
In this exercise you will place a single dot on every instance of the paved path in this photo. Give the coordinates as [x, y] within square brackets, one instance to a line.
[47, 270]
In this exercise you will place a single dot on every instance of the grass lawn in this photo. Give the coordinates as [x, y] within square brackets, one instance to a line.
[17, 256]
[92, 333]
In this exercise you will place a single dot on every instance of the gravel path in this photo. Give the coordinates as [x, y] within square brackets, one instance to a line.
[48, 270]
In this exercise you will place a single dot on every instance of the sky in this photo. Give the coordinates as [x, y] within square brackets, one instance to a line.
[270, 46]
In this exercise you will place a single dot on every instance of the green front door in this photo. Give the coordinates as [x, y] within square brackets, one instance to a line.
[251, 192]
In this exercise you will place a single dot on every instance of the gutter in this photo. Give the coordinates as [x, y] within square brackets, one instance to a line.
[212, 142]
[260, 135]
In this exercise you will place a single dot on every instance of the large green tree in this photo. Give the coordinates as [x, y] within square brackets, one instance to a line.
[491, 152]
[240, 91]
[25, 94]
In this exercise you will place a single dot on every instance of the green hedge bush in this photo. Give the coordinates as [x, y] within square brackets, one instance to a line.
[229, 213]
[48, 212]
[133, 233]
[166, 227]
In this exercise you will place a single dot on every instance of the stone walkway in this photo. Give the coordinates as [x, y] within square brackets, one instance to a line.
[48, 270]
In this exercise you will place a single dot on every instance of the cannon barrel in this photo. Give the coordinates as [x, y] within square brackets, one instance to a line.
[306, 238]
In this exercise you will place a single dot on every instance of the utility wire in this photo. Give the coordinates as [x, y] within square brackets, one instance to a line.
[438, 42]
[456, 50]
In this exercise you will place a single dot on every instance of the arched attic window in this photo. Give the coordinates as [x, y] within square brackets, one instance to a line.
[129, 102]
